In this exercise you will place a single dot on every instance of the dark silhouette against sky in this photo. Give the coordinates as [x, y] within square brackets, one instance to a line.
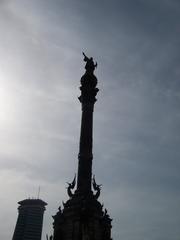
[137, 118]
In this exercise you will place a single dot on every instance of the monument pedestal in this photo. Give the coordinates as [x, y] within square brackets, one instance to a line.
[82, 219]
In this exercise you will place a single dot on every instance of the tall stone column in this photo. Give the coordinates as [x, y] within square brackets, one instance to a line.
[82, 216]
[87, 99]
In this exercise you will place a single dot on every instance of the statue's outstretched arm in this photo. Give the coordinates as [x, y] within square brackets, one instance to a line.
[85, 57]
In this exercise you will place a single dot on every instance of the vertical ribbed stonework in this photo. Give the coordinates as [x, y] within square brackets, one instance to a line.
[82, 216]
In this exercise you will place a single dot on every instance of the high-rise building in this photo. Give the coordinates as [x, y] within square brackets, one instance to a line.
[30, 220]
[83, 217]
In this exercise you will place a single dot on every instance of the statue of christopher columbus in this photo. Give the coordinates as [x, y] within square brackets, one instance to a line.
[90, 66]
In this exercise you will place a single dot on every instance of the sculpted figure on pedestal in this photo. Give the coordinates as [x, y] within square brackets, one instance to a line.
[90, 66]
[71, 187]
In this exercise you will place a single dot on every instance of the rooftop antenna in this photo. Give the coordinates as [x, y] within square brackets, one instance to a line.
[39, 189]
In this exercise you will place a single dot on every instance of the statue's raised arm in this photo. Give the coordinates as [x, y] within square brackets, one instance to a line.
[85, 57]
[90, 66]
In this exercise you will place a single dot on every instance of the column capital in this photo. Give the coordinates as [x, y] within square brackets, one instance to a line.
[88, 88]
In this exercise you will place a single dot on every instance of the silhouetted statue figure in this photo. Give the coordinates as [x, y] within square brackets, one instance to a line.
[90, 66]
[97, 188]
[71, 187]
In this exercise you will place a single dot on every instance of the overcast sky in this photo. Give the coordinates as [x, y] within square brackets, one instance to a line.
[136, 120]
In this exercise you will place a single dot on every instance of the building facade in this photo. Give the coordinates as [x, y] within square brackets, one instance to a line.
[30, 220]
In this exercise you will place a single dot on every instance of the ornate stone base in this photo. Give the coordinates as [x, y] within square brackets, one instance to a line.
[82, 218]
